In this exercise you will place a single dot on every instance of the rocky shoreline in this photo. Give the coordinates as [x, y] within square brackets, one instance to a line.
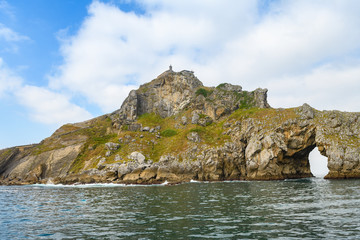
[174, 129]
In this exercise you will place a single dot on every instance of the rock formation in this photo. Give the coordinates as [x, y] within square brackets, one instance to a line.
[175, 129]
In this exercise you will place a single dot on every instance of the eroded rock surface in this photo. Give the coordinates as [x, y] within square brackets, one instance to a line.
[174, 129]
[173, 92]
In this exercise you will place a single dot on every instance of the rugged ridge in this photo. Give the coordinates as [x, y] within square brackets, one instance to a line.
[173, 92]
[175, 129]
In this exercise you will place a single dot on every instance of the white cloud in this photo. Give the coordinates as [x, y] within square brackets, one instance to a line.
[9, 81]
[6, 9]
[49, 107]
[337, 85]
[9, 35]
[122, 50]
[44, 105]
[292, 49]
[291, 42]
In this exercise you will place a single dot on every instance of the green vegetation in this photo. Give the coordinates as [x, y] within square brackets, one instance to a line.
[350, 141]
[221, 85]
[97, 135]
[246, 100]
[201, 116]
[268, 117]
[202, 91]
[172, 141]
[6, 152]
[47, 146]
[150, 119]
[143, 89]
[168, 133]
[198, 130]
[244, 113]
[69, 128]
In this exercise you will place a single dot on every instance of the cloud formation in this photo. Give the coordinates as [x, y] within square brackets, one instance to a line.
[9, 35]
[44, 105]
[49, 107]
[301, 50]
[9, 81]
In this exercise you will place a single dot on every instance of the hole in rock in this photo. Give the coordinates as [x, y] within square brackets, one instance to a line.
[318, 163]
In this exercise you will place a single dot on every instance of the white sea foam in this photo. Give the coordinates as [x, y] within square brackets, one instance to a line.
[194, 181]
[164, 183]
[96, 185]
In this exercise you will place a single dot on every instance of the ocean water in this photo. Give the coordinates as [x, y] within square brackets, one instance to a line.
[295, 209]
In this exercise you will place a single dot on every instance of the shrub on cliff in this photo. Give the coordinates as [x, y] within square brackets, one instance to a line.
[202, 91]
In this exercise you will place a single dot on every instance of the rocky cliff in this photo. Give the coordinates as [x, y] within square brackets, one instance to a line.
[175, 129]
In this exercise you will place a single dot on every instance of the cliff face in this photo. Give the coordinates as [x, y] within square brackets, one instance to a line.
[173, 92]
[175, 129]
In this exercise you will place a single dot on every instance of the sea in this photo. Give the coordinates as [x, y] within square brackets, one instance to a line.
[312, 208]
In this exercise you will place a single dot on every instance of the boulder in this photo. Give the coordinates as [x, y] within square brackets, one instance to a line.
[117, 158]
[145, 129]
[134, 127]
[183, 120]
[112, 146]
[195, 118]
[137, 157]
[205, 121]
[230, 87]
[194, 137]
[307, 112]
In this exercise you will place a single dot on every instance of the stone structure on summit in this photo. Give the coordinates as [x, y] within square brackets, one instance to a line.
[175, 129]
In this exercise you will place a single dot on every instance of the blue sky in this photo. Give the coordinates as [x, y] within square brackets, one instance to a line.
[65, 61]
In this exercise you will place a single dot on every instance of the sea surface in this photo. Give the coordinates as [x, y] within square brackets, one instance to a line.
[295, 209]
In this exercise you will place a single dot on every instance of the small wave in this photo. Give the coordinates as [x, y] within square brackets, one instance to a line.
[164, 183]
[79, 185]
[96, 185]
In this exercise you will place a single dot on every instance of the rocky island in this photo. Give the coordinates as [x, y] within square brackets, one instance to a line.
[175, 129]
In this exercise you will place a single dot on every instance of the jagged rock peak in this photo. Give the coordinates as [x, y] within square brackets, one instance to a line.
[184, 78]
[172, 92]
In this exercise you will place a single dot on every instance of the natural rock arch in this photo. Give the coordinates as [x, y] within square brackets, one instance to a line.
[284, 151]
